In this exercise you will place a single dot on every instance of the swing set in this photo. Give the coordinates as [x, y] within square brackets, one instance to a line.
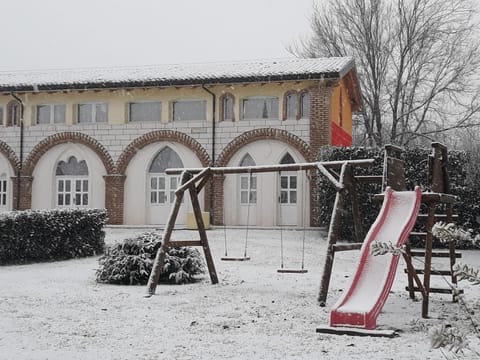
[194, 180]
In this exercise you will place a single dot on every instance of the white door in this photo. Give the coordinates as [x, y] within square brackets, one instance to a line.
[162, 196]
[72, 192]
[248, 199]
[288, 198]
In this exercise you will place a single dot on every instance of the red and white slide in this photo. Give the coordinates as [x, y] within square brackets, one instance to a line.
[361, 304]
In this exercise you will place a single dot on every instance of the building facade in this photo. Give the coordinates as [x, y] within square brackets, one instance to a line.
[104, 137]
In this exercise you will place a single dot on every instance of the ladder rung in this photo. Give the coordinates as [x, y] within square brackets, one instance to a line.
[439, 216]
[178, 243]
[436, 290]
[442, 254]
[432, 272]
[346, 247]
[418, 233]
[369, 178]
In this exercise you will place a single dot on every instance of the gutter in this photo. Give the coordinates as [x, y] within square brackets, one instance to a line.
[20, 166]
[214, 102]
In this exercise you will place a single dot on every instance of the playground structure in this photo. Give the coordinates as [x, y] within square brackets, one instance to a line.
[341, 175]
[360, 305]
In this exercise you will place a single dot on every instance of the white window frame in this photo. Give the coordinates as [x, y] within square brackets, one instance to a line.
[140, 103]
[304, 112]
[228, 104]
[3, 191]
[2, 120]
[52, 114]
[270, 116]
[163, 195]
[78, 198]
[201, 117]
[291, 106]
[93, 112]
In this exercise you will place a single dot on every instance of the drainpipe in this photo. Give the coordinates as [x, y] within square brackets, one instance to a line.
[214, 101]
[19, 170]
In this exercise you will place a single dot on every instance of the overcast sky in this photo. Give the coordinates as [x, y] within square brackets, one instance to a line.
[51, 34]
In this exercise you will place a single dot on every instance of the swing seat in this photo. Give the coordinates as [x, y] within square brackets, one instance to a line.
[230, 258]
[292, 271]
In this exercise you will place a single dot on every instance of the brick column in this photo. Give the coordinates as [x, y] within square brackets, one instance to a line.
[25, 192]
[320, 133]
[218, 201]
[114, 191]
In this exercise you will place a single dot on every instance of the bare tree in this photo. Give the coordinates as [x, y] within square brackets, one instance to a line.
[418, 63]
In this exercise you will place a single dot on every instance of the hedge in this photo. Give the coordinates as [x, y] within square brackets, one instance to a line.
[463, 174]
[46, 235]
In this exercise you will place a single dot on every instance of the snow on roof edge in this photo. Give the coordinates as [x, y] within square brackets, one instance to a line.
[177, 74]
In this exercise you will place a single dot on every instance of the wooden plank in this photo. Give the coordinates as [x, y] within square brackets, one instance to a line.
[193, 180]
[330, 177]
[440, 254]
[179, 243]
[274, 168]
[340, 330]
[439, 198]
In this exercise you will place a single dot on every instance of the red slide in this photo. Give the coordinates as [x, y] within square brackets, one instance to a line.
[362, 303]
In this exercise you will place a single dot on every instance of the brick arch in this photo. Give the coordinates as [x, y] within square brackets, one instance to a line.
[263, 134]
[161, 135]
[61, 138]
[7, 151]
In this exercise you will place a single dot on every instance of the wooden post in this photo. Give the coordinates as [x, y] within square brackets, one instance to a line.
[428, 258]
[160, 257]
[188, 183]
[203, 235]
[333, 230]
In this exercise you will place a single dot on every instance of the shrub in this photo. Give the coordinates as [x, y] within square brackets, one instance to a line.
[130, 262]
[462, 172]
[45, 235]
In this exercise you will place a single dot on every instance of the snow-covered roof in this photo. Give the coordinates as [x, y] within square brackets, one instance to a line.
[178, 74]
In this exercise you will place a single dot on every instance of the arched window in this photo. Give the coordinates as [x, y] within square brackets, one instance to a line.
[3, 190]
[288, 182]
[14, 113]
[72, 183]
[227, 103]
[304, 105]
[248, 183]
[290, 104]
[163, 186]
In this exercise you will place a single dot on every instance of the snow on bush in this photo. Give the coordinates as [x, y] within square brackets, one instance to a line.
[130, 262]
[46, 235]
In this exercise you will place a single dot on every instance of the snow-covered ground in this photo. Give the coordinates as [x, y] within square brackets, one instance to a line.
[57, 310]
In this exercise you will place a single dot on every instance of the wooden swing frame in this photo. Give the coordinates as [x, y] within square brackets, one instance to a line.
[193, 181]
